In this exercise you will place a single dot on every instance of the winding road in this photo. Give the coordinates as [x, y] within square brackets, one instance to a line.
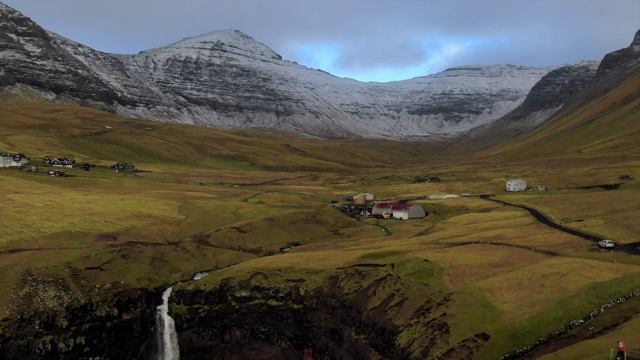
[632, 248]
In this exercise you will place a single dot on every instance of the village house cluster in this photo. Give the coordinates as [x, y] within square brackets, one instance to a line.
[362, 203]
[365, 204]
[19, 160]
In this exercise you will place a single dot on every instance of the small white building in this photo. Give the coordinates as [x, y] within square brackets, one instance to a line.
[398, 211]
[516, 185]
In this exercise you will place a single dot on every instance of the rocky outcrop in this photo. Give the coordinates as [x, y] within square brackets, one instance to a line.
[29, 56]
[120, 327]
[553, 92]
[548, 95]
[228, 79]
[363, 311]
[621, 60]
[355, 313]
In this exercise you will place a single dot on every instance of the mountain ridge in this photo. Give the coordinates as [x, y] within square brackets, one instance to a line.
[227, 79]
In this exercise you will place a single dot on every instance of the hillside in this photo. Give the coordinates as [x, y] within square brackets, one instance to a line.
[601, 124]
[207, 199]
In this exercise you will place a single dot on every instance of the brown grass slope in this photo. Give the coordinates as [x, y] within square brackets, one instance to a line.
[39, 128]
[601, 120]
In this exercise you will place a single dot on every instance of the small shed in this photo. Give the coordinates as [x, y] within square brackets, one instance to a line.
[363, 199]
[516, 185]
[398, 211]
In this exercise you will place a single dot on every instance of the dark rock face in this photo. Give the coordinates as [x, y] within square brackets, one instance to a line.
[30, 57]
[119, 328]
[621, 60]
[552, 91]
[349, 316]
[361, 312]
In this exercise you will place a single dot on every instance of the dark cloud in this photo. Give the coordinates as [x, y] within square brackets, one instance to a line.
[428, 35]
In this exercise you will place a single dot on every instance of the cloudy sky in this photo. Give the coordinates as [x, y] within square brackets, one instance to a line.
[368, 40]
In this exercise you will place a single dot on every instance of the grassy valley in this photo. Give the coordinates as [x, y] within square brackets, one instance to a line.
[227, 201]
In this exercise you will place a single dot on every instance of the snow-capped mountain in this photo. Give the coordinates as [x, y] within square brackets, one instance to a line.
[228, 79]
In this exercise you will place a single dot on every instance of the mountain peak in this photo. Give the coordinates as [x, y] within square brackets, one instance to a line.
[635, 44]
[621, 60]
[4, 7]
[225, 40]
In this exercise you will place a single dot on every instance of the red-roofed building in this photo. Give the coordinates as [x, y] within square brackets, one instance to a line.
[398, 211]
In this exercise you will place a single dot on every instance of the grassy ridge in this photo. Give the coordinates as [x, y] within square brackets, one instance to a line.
[601, 126]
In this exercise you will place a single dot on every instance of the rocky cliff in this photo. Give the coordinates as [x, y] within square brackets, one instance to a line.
[228, 79]
[121, 326]
[360, 312]
[621, 60]
[30, 57]
[548, 95]
[563, 84]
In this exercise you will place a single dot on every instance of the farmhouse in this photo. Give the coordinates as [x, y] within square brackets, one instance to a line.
[398, 211]
[10, 159]
[516, 185]
[61, 162]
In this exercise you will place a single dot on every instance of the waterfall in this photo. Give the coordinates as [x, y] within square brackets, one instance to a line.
[166, 331]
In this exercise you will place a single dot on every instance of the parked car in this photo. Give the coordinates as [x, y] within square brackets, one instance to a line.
[607, 244]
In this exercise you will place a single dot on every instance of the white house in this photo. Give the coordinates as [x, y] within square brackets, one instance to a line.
[516, 185]
[16, 160]
[398, 211]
